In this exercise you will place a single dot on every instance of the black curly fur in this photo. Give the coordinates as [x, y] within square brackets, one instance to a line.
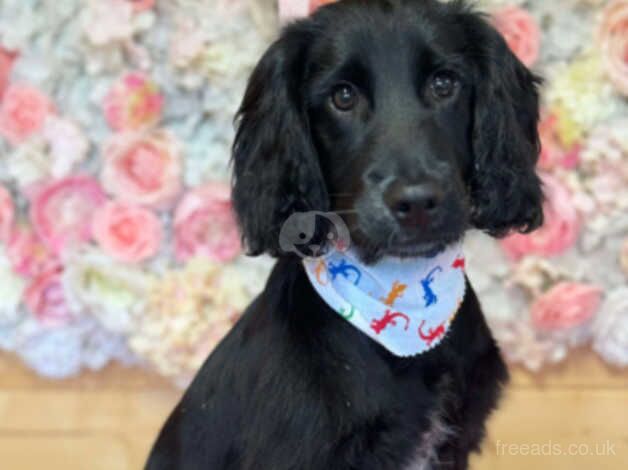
[293, 386]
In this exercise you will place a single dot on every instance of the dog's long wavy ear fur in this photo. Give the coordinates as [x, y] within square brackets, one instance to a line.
[505, 189]
[276, 170]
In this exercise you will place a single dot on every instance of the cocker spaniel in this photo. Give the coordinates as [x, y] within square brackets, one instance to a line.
[413, 122]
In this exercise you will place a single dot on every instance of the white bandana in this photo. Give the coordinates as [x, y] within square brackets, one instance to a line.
[405, 304]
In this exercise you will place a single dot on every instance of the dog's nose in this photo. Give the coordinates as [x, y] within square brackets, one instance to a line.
[413, 204]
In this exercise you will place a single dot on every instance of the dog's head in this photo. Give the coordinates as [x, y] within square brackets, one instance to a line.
[410, 118]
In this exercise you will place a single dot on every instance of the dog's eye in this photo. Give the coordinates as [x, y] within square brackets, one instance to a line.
[444, 84]
[344, 97]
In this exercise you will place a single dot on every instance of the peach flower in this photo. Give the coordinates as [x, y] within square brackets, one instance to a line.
[612, 38]
[46, 299]
[559, 231]
[23, 112]
[133, 102]
[204, 224]
[61, 211]
[553, 154]
[7, 59]
[143, 169]
[521, 32]
[7, 214]
[314, 4]
[141, 5]
[28, 254]
[127, 233]
[566, 305]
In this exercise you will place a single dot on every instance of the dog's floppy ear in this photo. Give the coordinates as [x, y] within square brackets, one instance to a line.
[276, 170]
[505, 189]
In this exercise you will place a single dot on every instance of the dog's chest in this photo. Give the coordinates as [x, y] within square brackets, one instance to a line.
[425, 456]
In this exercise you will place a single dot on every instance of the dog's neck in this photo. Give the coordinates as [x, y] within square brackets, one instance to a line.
[405, 304]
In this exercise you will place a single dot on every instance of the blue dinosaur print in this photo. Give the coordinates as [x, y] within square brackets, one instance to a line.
[428, 294]
[344, 269]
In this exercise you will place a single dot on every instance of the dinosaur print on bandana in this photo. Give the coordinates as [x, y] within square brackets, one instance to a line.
[396, 291]
[378, 300]
[428, 294]
[344, 269]
[389, 318]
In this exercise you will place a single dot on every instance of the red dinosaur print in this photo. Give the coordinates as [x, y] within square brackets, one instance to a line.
[432, 333]
[378, 325]
[459, 263]
[396, 291]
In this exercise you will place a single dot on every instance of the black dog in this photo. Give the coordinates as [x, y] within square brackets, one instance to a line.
[414, 121]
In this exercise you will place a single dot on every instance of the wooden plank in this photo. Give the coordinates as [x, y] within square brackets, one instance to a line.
[576, 429]
[69, 410]
[67, 452]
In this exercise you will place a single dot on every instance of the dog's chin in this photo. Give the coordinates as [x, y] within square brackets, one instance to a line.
[371, 251]
[418, 250]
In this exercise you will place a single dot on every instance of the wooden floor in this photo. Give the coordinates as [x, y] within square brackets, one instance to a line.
[108, 420]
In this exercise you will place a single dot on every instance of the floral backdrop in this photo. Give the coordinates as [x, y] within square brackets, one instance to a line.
[117, 239]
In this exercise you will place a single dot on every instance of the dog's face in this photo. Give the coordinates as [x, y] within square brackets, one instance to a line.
[410, 119]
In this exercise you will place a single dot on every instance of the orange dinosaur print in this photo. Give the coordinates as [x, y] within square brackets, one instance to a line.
[396, 291]
[319, 270]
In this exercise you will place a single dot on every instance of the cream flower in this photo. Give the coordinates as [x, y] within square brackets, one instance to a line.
[580, 95]
[187, 313]
[611, 328]
[115, 294]
[61, 146]
[106, 22]
[521, 343]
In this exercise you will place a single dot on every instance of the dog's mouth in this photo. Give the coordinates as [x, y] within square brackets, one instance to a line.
[412, 247]
[400, 246]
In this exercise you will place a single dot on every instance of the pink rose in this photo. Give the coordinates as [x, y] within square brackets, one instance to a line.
[559, 231]
[553, 154]
[134, 102]
[23, 112]
[61, 211]
[46, 299]
[127, 233]
[520, 31]
[28, 254]
[7, 214]
[7, 59]
[141, 5]
[566, 305]
[143, 169]
[612, 38]
[204, 224]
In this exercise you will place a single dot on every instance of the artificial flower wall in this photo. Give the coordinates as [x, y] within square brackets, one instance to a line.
[117, 237]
